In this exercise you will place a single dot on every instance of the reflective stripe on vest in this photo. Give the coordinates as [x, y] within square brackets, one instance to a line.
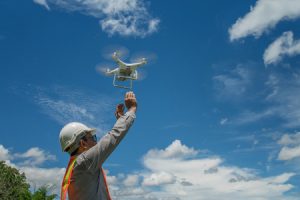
[67, 178]
[105, 183]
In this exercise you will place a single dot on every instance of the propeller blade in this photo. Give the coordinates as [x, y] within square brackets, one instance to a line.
[103, 69]
[142, 74]
[122, 52]
[144, 56]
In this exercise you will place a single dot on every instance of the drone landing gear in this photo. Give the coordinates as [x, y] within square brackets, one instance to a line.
[115, 82]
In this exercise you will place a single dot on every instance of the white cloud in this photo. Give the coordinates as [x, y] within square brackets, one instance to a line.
[175, 150]
[223, 121]
[158, 179]
[63, 105]
[249, 116]
[42, 3]
[285, 45]
[289, 153]
[232, 84]
[63, 111]
[289, 139]
[284, 99]
[4, 153]
[283, 178]
[290, 146]
[167, 176]
[128, 25]
[281, 102]
[264, 16]
[36, 176]
[50, 177]
[35, 156]
[212, 179]
[123, 17]
[131, 180]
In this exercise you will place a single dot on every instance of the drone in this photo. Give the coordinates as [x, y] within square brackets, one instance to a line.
[124, 71]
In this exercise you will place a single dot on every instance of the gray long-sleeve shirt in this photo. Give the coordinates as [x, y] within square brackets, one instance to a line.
[87, 181]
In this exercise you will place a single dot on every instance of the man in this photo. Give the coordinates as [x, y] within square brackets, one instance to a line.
[84, 178]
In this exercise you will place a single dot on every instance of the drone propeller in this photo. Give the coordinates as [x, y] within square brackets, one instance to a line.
[144, 56]
[142, 74]
[122, 52]
[104, 68]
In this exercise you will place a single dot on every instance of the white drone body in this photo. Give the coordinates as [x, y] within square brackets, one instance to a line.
[124, 71]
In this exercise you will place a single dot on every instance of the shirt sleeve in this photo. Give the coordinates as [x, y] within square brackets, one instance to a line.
[95, 156]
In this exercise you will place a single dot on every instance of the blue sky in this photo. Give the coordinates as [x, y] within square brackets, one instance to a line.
[219, 109]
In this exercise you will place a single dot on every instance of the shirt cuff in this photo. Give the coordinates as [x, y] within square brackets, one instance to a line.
[130, 114]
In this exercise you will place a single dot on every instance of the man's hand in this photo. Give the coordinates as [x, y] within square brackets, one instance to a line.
[119, 110]
[130, 101]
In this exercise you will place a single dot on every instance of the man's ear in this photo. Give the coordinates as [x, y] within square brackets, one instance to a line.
[82, 144]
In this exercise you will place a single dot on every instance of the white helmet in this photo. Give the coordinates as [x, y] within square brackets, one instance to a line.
[71, 134]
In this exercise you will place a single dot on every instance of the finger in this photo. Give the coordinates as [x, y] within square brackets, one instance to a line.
[119, 114]
[121, 110]
[120, 106]
[131, 94]
[127, 94]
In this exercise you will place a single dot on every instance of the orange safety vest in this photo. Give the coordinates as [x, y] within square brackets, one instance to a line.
[67, 178]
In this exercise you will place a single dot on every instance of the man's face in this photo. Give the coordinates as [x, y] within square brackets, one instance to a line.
[89, 141]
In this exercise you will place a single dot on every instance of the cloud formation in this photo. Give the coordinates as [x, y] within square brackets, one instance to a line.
[4, 153]
[123, 17]
[175, 150]
[263, 16]
[63, 105]
[42, 3]
[223, 121]
[30, 163]
[251, 116]
[278, 95]
[34, 157]
[64, 111]
[181, 172]
[284, 99]
[176, 172]
[290, 147]
[285, 45]
[232, 84]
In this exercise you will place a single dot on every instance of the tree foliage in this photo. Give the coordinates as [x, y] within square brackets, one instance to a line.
[42, 194]
[13, 186]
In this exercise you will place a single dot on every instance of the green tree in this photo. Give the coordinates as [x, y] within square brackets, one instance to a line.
[41, 194]
[13, 184]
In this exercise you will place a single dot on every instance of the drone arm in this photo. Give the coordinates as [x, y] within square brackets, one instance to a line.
[111, 72]
[118, 61]
[133, 66]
